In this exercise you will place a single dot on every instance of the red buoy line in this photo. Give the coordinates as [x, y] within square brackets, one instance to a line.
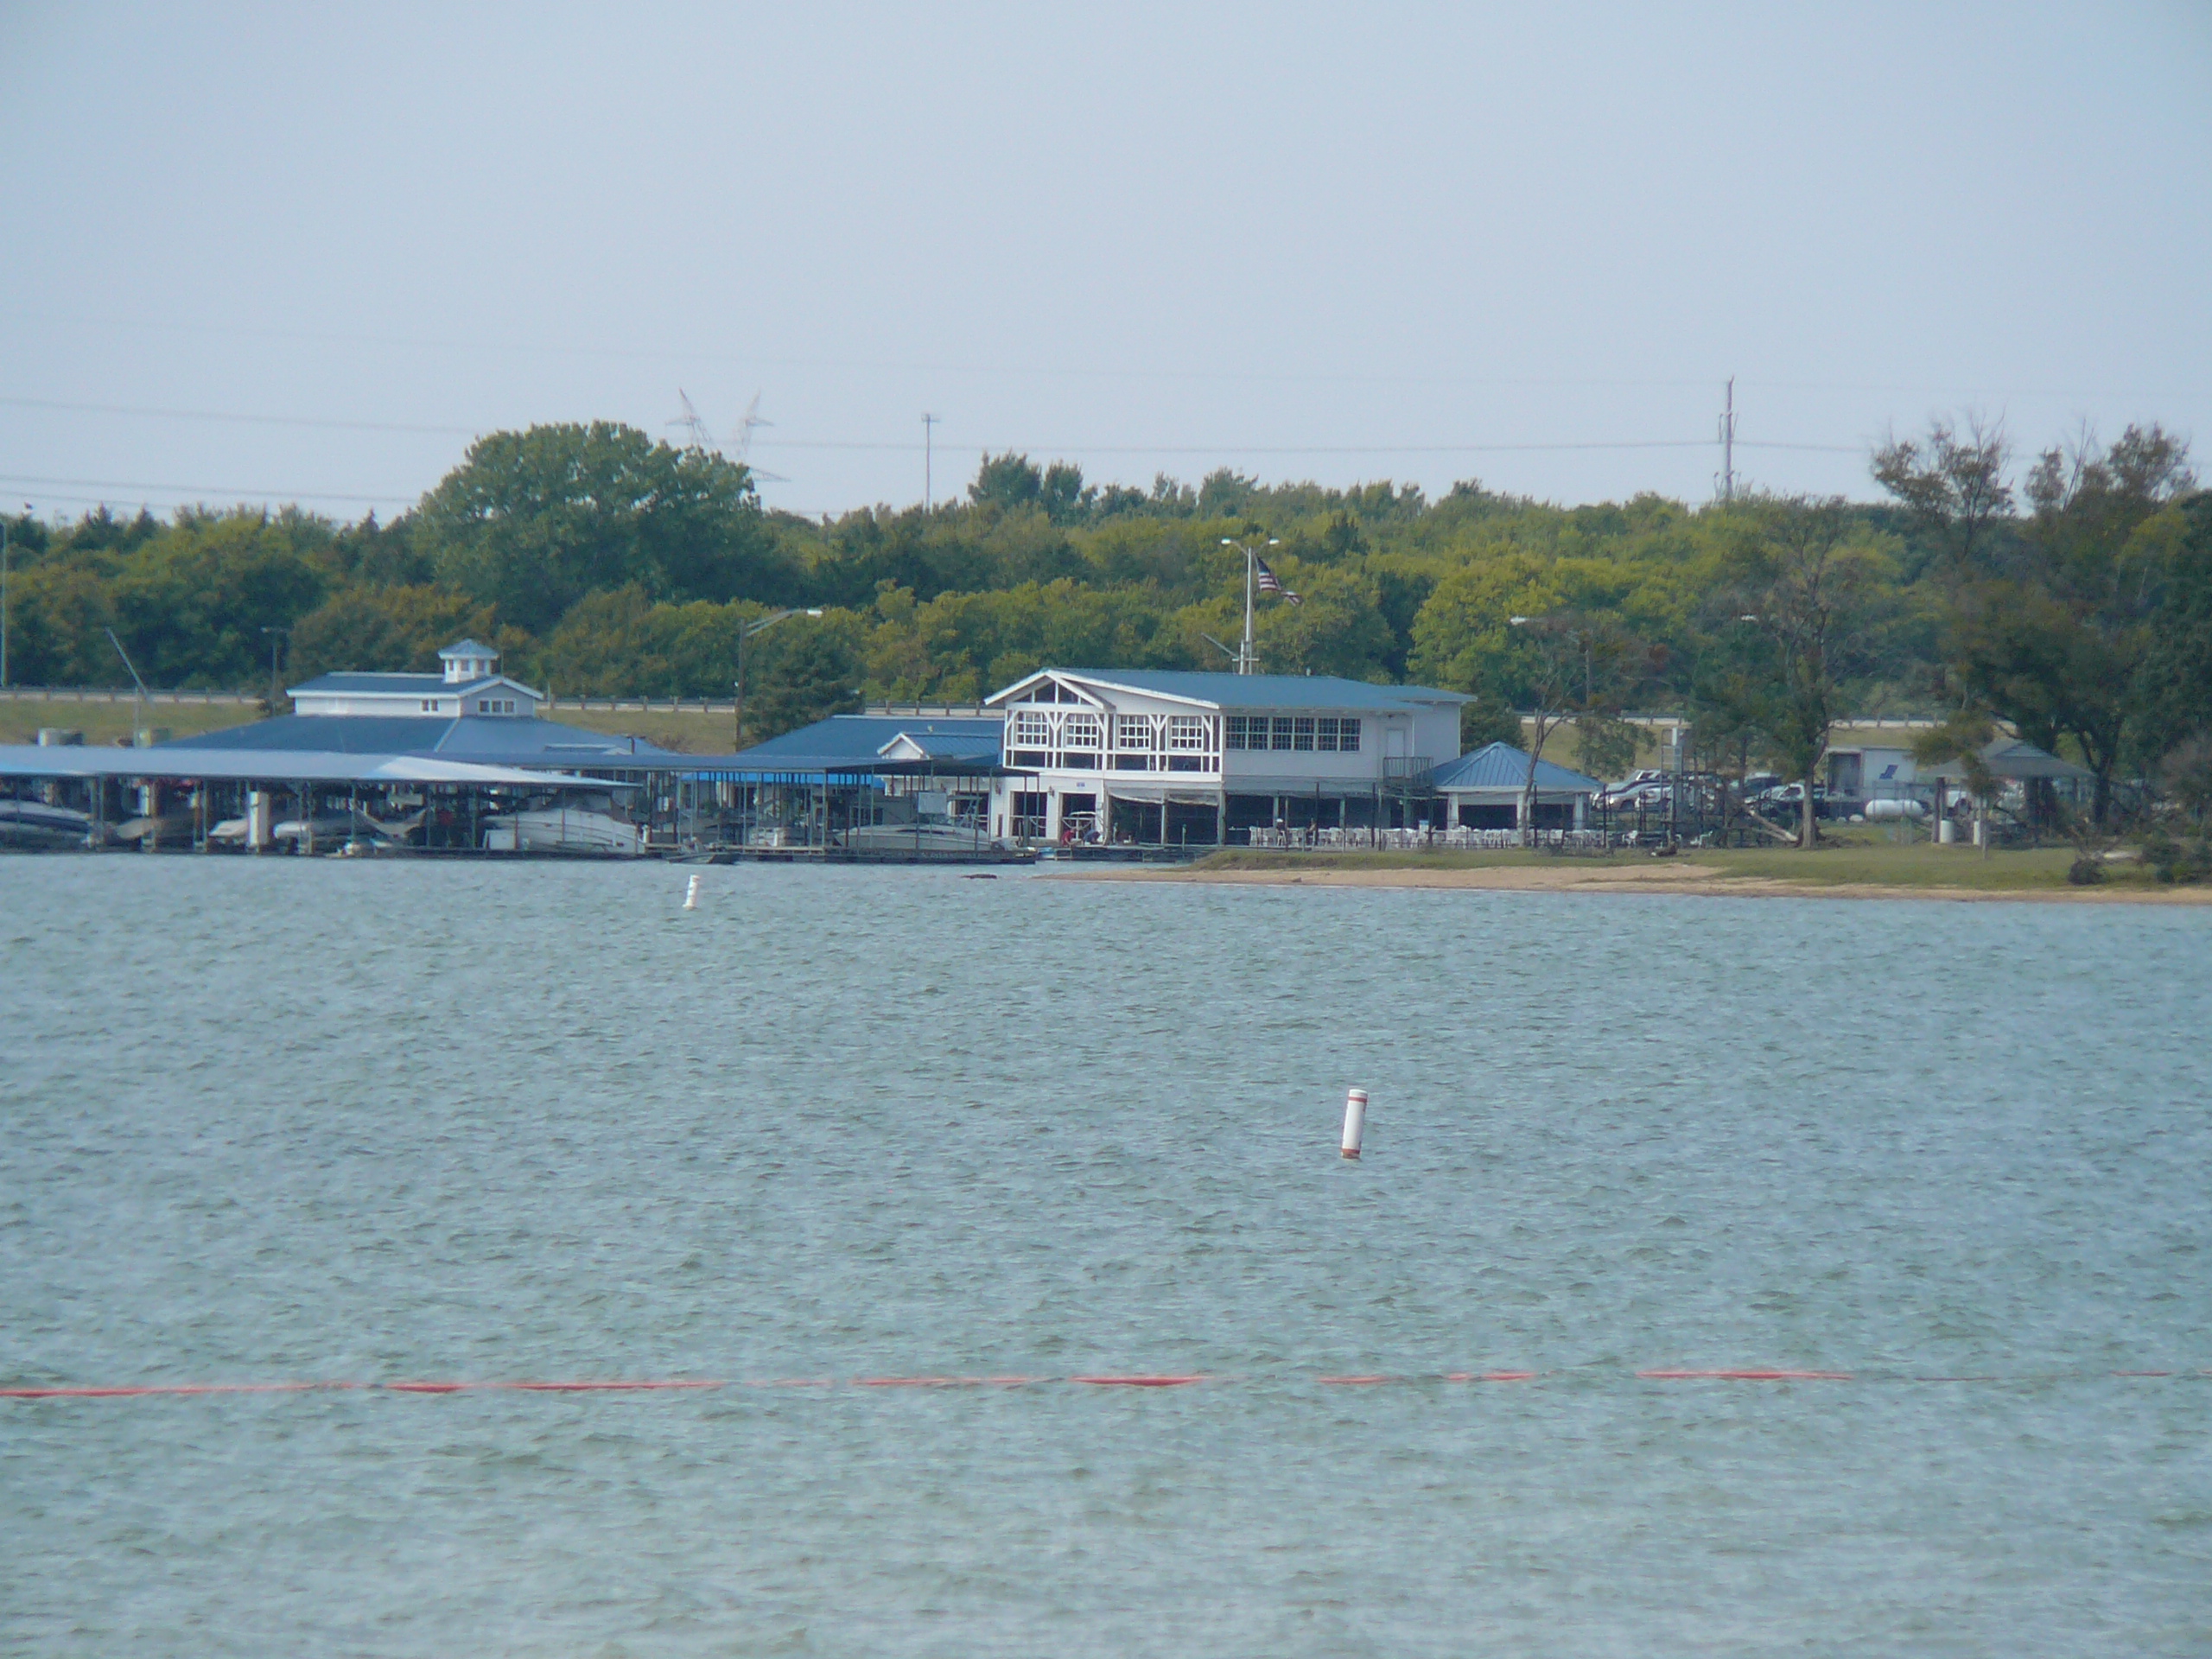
[1094, 1380]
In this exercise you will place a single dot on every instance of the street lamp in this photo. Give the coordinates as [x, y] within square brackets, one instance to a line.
[6, 525]
[275, 635]
[1246, 663]
[745, 631]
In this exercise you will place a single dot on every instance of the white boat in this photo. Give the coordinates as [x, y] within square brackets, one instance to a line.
[563, 829]
[33, 824]
[930, 832]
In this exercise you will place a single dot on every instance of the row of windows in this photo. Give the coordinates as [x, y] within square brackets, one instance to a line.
[1325, 732]
[1132, 734]
[495, 705]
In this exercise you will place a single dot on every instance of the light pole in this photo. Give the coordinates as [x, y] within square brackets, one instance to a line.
[274, 636]
[745, 631]
[6, 525]
[1576, 633]
[1246, 663]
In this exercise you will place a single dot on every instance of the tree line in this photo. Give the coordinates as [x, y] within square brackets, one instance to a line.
[2072, 599]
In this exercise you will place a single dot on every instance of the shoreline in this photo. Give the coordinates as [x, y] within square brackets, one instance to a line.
[1682, 877]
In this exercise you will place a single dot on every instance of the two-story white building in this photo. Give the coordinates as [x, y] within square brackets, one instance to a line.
[471, 685]
[1169, 756]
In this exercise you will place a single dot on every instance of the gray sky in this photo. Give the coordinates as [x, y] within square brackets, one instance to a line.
[1336, 242]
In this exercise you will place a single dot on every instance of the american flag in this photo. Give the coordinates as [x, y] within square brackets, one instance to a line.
[1271, 583]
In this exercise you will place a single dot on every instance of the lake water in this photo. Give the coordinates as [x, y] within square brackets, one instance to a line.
[290, 1120]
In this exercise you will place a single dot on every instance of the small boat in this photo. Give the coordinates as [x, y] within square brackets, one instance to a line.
[34, 825]
[173, 828]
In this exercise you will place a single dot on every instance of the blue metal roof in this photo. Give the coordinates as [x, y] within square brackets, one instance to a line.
[389, 684]
[1263, 691]
[860, 738]
[1500, 765]
[513, 740]
[941, 745]
[851, 746]
[399, 685]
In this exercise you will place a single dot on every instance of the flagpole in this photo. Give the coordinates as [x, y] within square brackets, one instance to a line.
[1245, 656]
[1248, 660]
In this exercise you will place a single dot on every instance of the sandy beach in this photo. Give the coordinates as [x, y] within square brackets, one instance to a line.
[1679, 875]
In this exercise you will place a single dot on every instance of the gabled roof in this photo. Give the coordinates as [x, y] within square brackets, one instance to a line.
[1251, 690]
[1500, 765]
[2009, 757]
[858, 738]
[911, 745]
[859, 745]
[502, 739]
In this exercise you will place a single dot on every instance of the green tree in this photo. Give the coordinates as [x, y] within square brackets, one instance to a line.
[394, 630]
[814, 673]
[2052, 627]
[1799, 575]
[1008, 482]
[2174, 688]
[532, 522]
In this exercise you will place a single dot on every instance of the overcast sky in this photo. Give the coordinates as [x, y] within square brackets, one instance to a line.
[306, 252]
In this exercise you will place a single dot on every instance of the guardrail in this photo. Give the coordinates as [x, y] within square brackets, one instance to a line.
[123, 693]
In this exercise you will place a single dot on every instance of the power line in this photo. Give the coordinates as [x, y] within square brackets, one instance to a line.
[237, 492]
[894, 446]
[56, 404]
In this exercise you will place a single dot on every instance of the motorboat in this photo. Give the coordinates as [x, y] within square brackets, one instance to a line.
[36, 824]
[927, 832]
[563, 829]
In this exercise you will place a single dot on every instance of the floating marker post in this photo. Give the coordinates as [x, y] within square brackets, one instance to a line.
[691, 892]
[1355, 1121]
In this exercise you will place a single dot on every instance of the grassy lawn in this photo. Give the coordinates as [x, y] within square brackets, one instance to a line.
[109, 722]
[102, 723]
[685, 731]
[1842, 864]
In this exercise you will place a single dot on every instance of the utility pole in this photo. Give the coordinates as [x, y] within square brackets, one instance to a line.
[929, 435]
[1728, 443]
[276, 637]
[6, 525]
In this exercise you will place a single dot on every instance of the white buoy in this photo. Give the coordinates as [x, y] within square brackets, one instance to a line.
[691, 892]
[1355, 1121]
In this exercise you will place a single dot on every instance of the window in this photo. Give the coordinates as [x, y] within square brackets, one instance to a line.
[1348, 735]
[1235, 739]
[1282, 725]
[483, 705]
[1302, 731]
[1324, 733]
[1133, 731]
[1081, 732]
[1186, 731]
[1032, 729]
